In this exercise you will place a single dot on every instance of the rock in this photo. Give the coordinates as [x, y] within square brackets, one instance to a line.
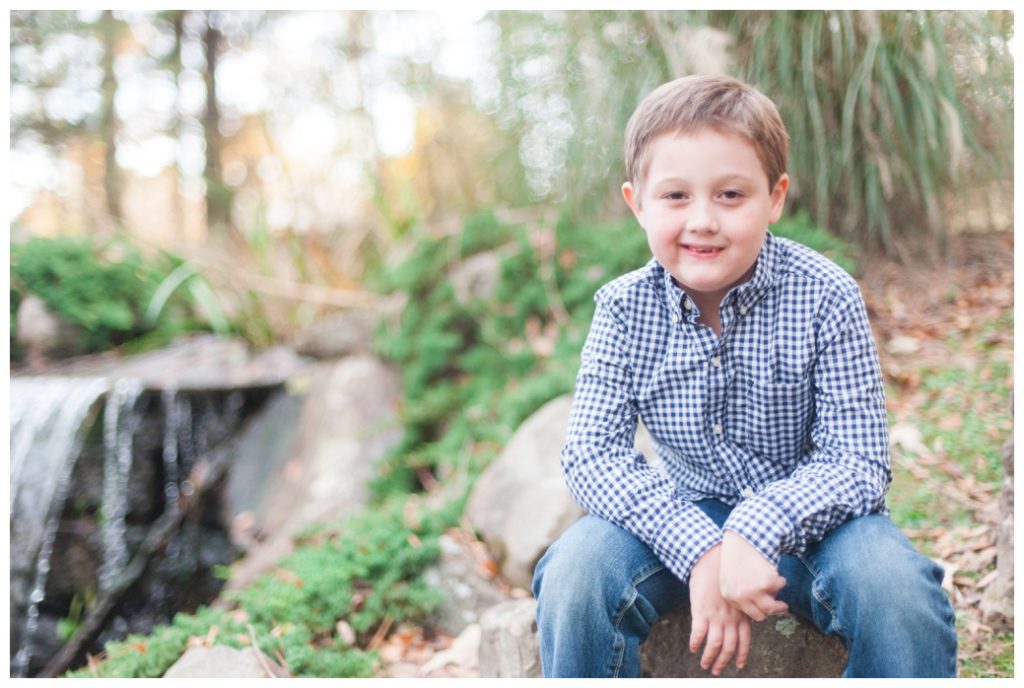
[263, 453]
[463, 653]
[190, 363]
[42, 332]
[467, 592]
[340, 334]
[781, 647]
[997, 600]
[520, 504]
[348, 423]
[508, 641]
[221, 661]
[477, 277]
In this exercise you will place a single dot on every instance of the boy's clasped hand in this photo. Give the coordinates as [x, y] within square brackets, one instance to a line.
[730, 584]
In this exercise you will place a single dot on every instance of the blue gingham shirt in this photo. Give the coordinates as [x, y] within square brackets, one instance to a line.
[783, 415]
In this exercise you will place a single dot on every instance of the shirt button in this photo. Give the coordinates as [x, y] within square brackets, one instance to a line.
[716, 361]
[717, 428]
[687, 305]
[747, 492]
[675, 317]
[743, 310]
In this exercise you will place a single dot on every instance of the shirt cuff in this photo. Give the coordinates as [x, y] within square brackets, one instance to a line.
[764, 525]
[683, 539]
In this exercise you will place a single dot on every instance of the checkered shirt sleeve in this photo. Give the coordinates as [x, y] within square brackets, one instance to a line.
[606, 475]
[782, 415]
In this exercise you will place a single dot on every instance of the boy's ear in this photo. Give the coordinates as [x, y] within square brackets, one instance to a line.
[632, 198]
[778, 198]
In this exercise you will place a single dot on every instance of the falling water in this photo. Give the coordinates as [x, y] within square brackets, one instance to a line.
[169, 398]
[119, 426]
[47, 415]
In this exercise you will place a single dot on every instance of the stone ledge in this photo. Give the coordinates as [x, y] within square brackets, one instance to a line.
[781, 647]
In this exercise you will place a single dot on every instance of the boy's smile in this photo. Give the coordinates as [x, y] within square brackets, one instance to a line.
[705, 206]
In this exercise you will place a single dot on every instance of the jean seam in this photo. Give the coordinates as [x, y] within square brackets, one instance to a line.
[835, 626]
[640, 578]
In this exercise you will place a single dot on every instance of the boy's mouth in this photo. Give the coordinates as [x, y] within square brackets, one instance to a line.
[702, 251]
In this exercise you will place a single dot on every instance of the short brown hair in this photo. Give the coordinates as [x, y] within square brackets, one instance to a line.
[691, 103]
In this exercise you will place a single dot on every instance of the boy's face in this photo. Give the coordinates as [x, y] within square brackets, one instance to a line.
[706, 206]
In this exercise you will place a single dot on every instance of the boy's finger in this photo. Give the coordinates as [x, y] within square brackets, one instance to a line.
[727, 652]
[751, 609]
[711, 649]
[743, 644]
[769, 606]
[778, 584]
[698, 630]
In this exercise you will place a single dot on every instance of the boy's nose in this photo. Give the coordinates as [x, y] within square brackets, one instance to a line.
[701, 218]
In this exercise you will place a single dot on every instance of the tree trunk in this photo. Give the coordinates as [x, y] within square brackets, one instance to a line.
[112, 183]
[178, 19]
[218, 195]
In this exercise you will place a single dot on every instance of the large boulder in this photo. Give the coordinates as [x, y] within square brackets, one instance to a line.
[520, 504]
[319, 467]
[781, 647]
[508, 641]
[469, 588]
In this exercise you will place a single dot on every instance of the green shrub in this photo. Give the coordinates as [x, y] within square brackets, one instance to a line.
[104, 289]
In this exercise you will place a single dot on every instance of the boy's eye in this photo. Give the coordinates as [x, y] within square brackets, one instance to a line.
[675, 195]
[732, 195]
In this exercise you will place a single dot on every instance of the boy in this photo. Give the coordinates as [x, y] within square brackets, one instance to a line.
[751, 361]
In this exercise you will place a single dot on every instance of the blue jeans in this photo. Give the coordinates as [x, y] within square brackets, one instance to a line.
[599, 590]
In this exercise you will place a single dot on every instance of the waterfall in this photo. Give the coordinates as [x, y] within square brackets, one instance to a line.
[119, 426]
[169, 399]
[47, 417]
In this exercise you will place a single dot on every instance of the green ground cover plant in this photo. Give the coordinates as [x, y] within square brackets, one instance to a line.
[364, 571]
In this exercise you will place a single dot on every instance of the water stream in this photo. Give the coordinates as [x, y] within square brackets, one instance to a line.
[47, 420]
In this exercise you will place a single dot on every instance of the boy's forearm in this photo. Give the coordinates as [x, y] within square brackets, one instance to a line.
[613, 485]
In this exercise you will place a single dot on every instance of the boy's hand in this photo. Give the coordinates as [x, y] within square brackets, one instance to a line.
[726, 628]
[749, 581]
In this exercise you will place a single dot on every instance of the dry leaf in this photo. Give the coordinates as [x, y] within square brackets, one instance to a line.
[288, 577]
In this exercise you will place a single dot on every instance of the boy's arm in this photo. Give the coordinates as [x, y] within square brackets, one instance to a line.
[847, 471]
[605, 474]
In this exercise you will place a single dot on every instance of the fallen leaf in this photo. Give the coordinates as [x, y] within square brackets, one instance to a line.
[288, 577]
[901, 345]
[987, 579]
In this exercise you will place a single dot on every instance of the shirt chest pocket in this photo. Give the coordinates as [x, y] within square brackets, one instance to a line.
[774, 420]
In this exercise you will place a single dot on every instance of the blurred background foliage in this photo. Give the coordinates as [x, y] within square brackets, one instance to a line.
[286, 157]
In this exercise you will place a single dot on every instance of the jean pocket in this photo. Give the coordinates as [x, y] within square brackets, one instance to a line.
[775, 419]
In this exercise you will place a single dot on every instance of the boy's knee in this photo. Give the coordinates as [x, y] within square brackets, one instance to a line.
[582, 568]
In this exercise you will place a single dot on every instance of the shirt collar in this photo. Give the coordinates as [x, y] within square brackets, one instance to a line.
[742, 296]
